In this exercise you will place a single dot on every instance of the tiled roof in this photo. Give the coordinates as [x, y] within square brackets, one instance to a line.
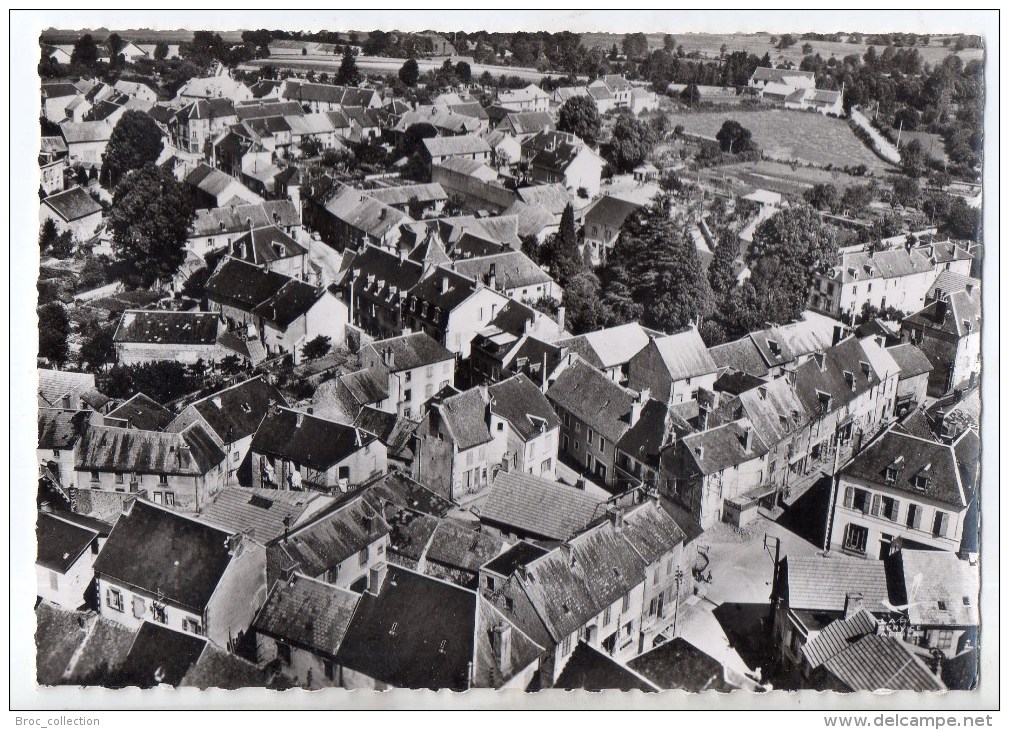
[777, 74]
[519, 554]
[328, 540]
[54, 385]
[160, 655]
[208, 109]
[243, 285]
[466, 166]
[61, 428]
[607, 348]
[364, 213]
[651, 531]
[742, 355]
[821, 584]
[466, 144]
[430, 289]
[465, 416]
[399, 489]
[61, 543]
[411, 532]
[142, 412]
[308, 440]
[462, 547]
[685, 355]
[192, 452]
[292, 301]
[342, 95]
[882, 663]
[165, 553]
[539, 507]
[561, 157]
[410, 351]
[610, 211]
[265, 245]
[889, 264]
[84, 132]
[960, 310]
[307, 613]
[678, 664]
[72, 204]
[512, 269]
[910, 359]
[843, 377]
[271, 108]
[261, 513]
[523, 405]
[401, 195]
[218, 668]
[939, 588]
[721, 447]
[950, 281]
[392, 430]
[528, 122]
[379, 271]
[656, 428]
[169, 327]
[838, 636]
[553, 198]
[236, 412]
[592, 670]
[594, 399]
[913, 457]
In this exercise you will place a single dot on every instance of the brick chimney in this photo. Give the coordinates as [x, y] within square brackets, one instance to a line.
[638, 404]
[492, 276]
[501, 644]
[376, 577]
[852, 603]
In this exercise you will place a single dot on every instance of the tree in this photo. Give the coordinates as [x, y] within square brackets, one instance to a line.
[722, 269]
[160, 51]
[580, 117]
[823, 196]
[231, 365]
[690, 94]
[150, 219]
[48, 235]
[348, 75]
[635, 45]
[63, 247]
[414, 208]
[85, 51]
[115, 44]
[135, 142]
[316, 347]
[940, 179]
[668, 43]
[856, 198]
[54, 329]
[531, 247]
[464, 72]
[98, 348]
[409, 72]
[787, 41]
[311, 147]
[807, 48]
[454, 205]
[581, 303]
[963, 221]
[906, 192]
[913, 159]
[787, 250]
[631, 143]
[560, 252]
[734, 137]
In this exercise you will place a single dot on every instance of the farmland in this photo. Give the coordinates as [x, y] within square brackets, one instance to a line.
[776, 176]
[790, 135]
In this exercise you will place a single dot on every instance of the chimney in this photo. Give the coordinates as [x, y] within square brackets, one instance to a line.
[940, 311]
[444, 284]
[287, 527]
[217, 401]
[838, 334]
[616, 517]
[389, 357]
[376, 577]
[501, 644]
[852, 603]
[638, 404]
[492, 276]
[236, 544]
[561, 310]
[300, 419]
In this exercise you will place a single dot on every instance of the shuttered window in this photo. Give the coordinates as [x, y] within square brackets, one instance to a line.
[941, 524]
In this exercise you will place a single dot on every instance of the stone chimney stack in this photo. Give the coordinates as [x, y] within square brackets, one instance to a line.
[852, 603]
[501, 643]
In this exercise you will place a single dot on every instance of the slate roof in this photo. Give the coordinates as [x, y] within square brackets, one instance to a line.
[399, 489]
[243, 285]
[938, 588]
[611, 346]
[961, 314]
[261, 513]
[949, 281]
[54, 385]
[552, 197]
[308, 440]
[401, 195]
[610, 211]
[592, 670]
[308, 614]
[838, 636]
[742, 355]
[464, 415]
[392, 430]
[678, 664]
[365, 213]
[685, 355]
[519, 554]
[142, 412]
[236, 412]
[270, 108]
[410, 351]
[84, 132]
[418, 633]
[528, 122]
[160, 655]
[882, 663]
[61, 428]
[657, 427]
[217, 668]
[61, 543]
[380, 271]
[561, 157]
[168, 327]
[719, 448]
[192, 452]
[411, 532]
[820, 584]
[594, 399]
[342, 95]
[261, 245]
[540, 507]
[910, 360]
[208, 109]
[913, 457]
[163, 552]
[462, 547]
[889, 264]
[290, 302]
[335, 535]
[465, 144]
[523, 405]
[848, 356]
[651, 531]
[513, 270]
[465, 166]
[72, 204]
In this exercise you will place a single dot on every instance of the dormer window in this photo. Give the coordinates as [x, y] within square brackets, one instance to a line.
[922, 477]
[891, 474]
[849, 378]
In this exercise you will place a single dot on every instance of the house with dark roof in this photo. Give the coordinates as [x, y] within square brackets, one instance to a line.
[271, 248]
[912, 385]
[233, 416]
[53, 164]
[166, 568]
[522, 417]
[64, 567]
[522, 125]
[301, 626]
[557, 157]
[518, 340]
[145, 336]
[344, 397]
[678, 664]
[212, 188]
[179, 470]
[525, 506]
[351, 218]
[197, 123]
[329, 97]
[603, 222]
[419, 632]
[375, 285]
[948, 331]
[875, 663]
[513, 274]
[673, 368]
[639, 450]
[415, 366]
[593, 670]
[215, 228]
[902, 490]
[60, 433]
[141, 412]
[295, 450]
[264, 515]
[595, 414]
[73, 210]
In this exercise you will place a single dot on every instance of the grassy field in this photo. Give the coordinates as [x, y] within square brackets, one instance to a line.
[791, 135]
[775, 176]
[709, 45]
[934, 145]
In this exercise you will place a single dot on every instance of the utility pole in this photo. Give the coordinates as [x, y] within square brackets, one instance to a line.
[676, 610]
[901, 129]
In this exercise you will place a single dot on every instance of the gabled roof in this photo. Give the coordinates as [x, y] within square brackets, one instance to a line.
[54, 385]
[762, 73]
[72, 204]
[192, 452]
[60, 542]
[610, 347]
[843, 377]
[882, 663]
[401, 195]
[950, 281]
[306, 439]
[208, 109]
[84, 132]
[379, 271]
[464, 415]
[343, 95]
[393, 430]
[820, 584]
[742, 354]
[838, 636]
[263, 514]
[678, 664]
[910, 360]
[410, 351]
[292, 301]
[957, 313]
[552, 197]
[918, 462]
[658, 426]
[684, 354]
[142, 412]
[466, 144]
[333, 536]
[160, 655]
[396, 488]
[236, 412]
[593, 398]
[271, 108]
[888, 264]
[592, 670]
[540, 507]
[365, 213]
[308, 614]
[243, 285]
[938, 588]
[168, 327]
[61, 428]
[462, 546]
[165, 553]
[430, 289]
[650, 531]
[611, 211]
[512, 270]
[527, 122]
[719, 448]
[561, 157]
[523, 405]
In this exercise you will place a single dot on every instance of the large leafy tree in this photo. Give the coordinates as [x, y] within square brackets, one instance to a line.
[98, 348]
[734, 137]
[135, 142]
[348, 75]
[635, 45]
[581, 303]
[580, 117]
[54, 329]
[721, 270]
[150, 219]
[409, 72]
[787, 250]
[631, 143]
[560, 252]
[914, 159]
[85, 51]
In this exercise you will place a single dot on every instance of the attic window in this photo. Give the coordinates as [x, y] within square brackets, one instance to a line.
[942, 605]
[261, 502]
[865, 367]
[441, 646]
[392, 629]
[891, 474]
[509, 604]
[849, 378]
[966, 600]
[246, 408]
[773, 346]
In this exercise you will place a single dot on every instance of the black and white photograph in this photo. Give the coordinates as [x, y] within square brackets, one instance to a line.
[493, 353]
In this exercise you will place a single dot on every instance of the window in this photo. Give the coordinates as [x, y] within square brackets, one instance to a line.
[428, 390]
[56, 453]
[332, 573]
[407, 376]
[343, 472]
[857, 499]
[169, 499]
[193, 627]
[589, 436]
[327, 668]
[944, 641]
[655, 576]
[469, 458]
[576, 446]
[362, 557]
[490, 583]
[567, 424]
[54, 580]
[159, 613]
[408, 395]
[669, 567]
[114, 599]
[891, 507]
[234, 457]
[284, 652]
[607, 616]
[159, 498]
[120, 477]
[162, 479]
[94, 476]
[602, 444]
[914, 516]
[855, 538]
[651, 607]
[566, 646]
[500, 426]
[940, 525]
[626, 604]
[629, 628]
[578, 427]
